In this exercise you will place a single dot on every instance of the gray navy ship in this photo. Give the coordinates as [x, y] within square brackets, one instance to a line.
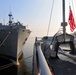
[12, 37]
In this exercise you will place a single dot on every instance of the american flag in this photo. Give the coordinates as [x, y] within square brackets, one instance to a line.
[71, 20]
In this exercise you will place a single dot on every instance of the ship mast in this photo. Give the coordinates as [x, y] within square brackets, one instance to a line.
[64, 24]
[10, 18]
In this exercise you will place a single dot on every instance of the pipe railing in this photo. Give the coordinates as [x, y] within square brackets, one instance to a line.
[43, 66]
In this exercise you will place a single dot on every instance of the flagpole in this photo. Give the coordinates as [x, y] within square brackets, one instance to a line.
[64, 12]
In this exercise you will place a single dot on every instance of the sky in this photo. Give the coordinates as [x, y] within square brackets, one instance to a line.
[35, 14]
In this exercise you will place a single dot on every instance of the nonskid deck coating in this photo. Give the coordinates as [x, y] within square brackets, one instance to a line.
[62, 66]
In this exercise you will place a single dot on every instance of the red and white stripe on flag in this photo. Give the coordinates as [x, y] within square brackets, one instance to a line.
[71, 20]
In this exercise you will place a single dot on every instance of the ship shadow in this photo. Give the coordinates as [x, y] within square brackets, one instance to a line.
[7, 67]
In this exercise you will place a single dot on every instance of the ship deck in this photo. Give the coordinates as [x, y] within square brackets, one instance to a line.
[63, 65]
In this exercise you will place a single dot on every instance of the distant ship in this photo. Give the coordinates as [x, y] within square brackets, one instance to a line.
[12, 37]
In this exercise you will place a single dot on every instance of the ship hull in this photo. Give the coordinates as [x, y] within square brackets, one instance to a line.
[11, 42]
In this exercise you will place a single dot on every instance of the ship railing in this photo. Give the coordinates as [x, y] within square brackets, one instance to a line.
[40, 65]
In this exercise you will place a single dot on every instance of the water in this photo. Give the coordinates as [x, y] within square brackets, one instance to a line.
[28, 53]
